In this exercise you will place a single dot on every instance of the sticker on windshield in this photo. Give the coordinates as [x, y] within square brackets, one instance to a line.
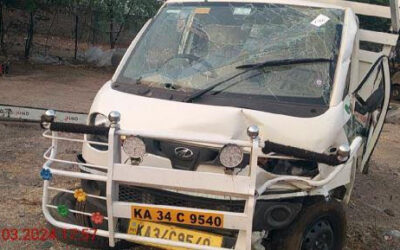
[319, 83]
[320, 20]
[242, 11]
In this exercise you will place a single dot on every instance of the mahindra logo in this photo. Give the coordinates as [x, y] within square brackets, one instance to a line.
[184, 153]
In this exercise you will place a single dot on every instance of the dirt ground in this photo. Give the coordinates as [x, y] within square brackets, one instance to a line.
[373, 210]
[57, 87]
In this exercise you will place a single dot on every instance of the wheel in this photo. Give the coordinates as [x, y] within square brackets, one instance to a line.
[320, 226]
[71, 237]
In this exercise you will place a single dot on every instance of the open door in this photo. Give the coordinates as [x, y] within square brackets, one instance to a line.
[372, 98]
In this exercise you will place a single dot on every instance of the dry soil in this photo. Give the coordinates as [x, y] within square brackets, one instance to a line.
[373, 210]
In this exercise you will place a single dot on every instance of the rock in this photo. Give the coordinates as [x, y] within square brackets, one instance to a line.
[393, 116]
[101, 58]
[256, 240]
[46, 59]
[389, 212]
[392, 235]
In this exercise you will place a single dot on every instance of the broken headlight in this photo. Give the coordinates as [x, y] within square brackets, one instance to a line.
[289, 167]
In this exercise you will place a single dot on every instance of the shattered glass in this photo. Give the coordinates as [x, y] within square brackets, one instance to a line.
[192, 45]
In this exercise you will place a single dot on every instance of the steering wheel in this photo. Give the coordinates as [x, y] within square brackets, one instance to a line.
[190, 57]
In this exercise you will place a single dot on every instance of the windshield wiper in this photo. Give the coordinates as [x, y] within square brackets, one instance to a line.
[283, 62]
[250, 67]
[202, 92]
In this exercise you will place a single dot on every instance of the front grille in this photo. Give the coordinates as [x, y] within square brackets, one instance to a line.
[161, 197]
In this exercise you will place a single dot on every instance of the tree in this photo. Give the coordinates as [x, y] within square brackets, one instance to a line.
[31, 6]
[112, 17]
[119, 12]
[3, 5]
[2, 29]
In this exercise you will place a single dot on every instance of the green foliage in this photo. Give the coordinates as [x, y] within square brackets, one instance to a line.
[118, 11]
[115, 11]
[31, 5]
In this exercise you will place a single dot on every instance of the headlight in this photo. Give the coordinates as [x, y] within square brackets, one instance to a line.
[231, 156]
[134, 147]
[97, 119]
[100, 120]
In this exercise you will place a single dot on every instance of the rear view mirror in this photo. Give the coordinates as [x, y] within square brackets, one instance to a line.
[372, 103]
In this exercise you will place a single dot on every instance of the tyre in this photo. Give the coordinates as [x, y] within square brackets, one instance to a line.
[70, 236]
[320, 226]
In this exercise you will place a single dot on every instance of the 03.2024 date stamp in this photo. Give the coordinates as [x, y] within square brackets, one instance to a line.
[45, 234]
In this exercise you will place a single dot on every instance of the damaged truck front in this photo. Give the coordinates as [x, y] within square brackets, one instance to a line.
[228, 124]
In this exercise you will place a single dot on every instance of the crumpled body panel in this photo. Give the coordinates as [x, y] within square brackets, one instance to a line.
[316, 134]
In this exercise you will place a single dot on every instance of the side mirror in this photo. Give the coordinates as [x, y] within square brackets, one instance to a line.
[371, 104]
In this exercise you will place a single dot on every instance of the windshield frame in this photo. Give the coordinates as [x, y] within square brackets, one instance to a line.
[338, 62]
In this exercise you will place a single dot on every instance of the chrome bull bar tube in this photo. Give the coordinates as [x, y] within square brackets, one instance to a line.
[116, 172]
[241, 186]
[314, 183]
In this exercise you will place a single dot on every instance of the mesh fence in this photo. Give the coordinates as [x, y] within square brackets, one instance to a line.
[58, 30]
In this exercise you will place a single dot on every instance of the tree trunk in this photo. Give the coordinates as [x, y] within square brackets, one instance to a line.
[29, 39]
[94, 26]
[3, 49]
[76, 36]
[49, 32]
[89, 13]
[122, 25]
[112, 42]
[111, 13]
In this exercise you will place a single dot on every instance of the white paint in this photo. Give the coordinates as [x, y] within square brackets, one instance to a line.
[320, 20]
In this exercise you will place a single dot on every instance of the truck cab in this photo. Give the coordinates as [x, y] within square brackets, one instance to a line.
[230, 125]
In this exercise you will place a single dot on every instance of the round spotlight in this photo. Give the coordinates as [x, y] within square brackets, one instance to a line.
[134, 147]
[231, 156]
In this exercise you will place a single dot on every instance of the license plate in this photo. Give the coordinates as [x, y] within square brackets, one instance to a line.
[173, 233]
[177, 216]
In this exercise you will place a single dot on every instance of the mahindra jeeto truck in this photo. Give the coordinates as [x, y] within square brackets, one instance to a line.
[227, 125]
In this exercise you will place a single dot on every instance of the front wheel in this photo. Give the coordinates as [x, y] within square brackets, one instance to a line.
[320, 226]
[71, 237]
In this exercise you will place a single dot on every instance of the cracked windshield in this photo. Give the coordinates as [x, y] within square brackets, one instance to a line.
[281, 52]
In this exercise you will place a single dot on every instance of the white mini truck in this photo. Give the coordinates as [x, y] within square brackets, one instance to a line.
[227, 125]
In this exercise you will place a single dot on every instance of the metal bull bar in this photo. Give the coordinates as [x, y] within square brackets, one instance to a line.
[34, 114]
[243, 187]
[115, 172]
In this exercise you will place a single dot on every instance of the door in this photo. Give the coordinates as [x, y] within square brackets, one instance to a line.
[372, 98]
